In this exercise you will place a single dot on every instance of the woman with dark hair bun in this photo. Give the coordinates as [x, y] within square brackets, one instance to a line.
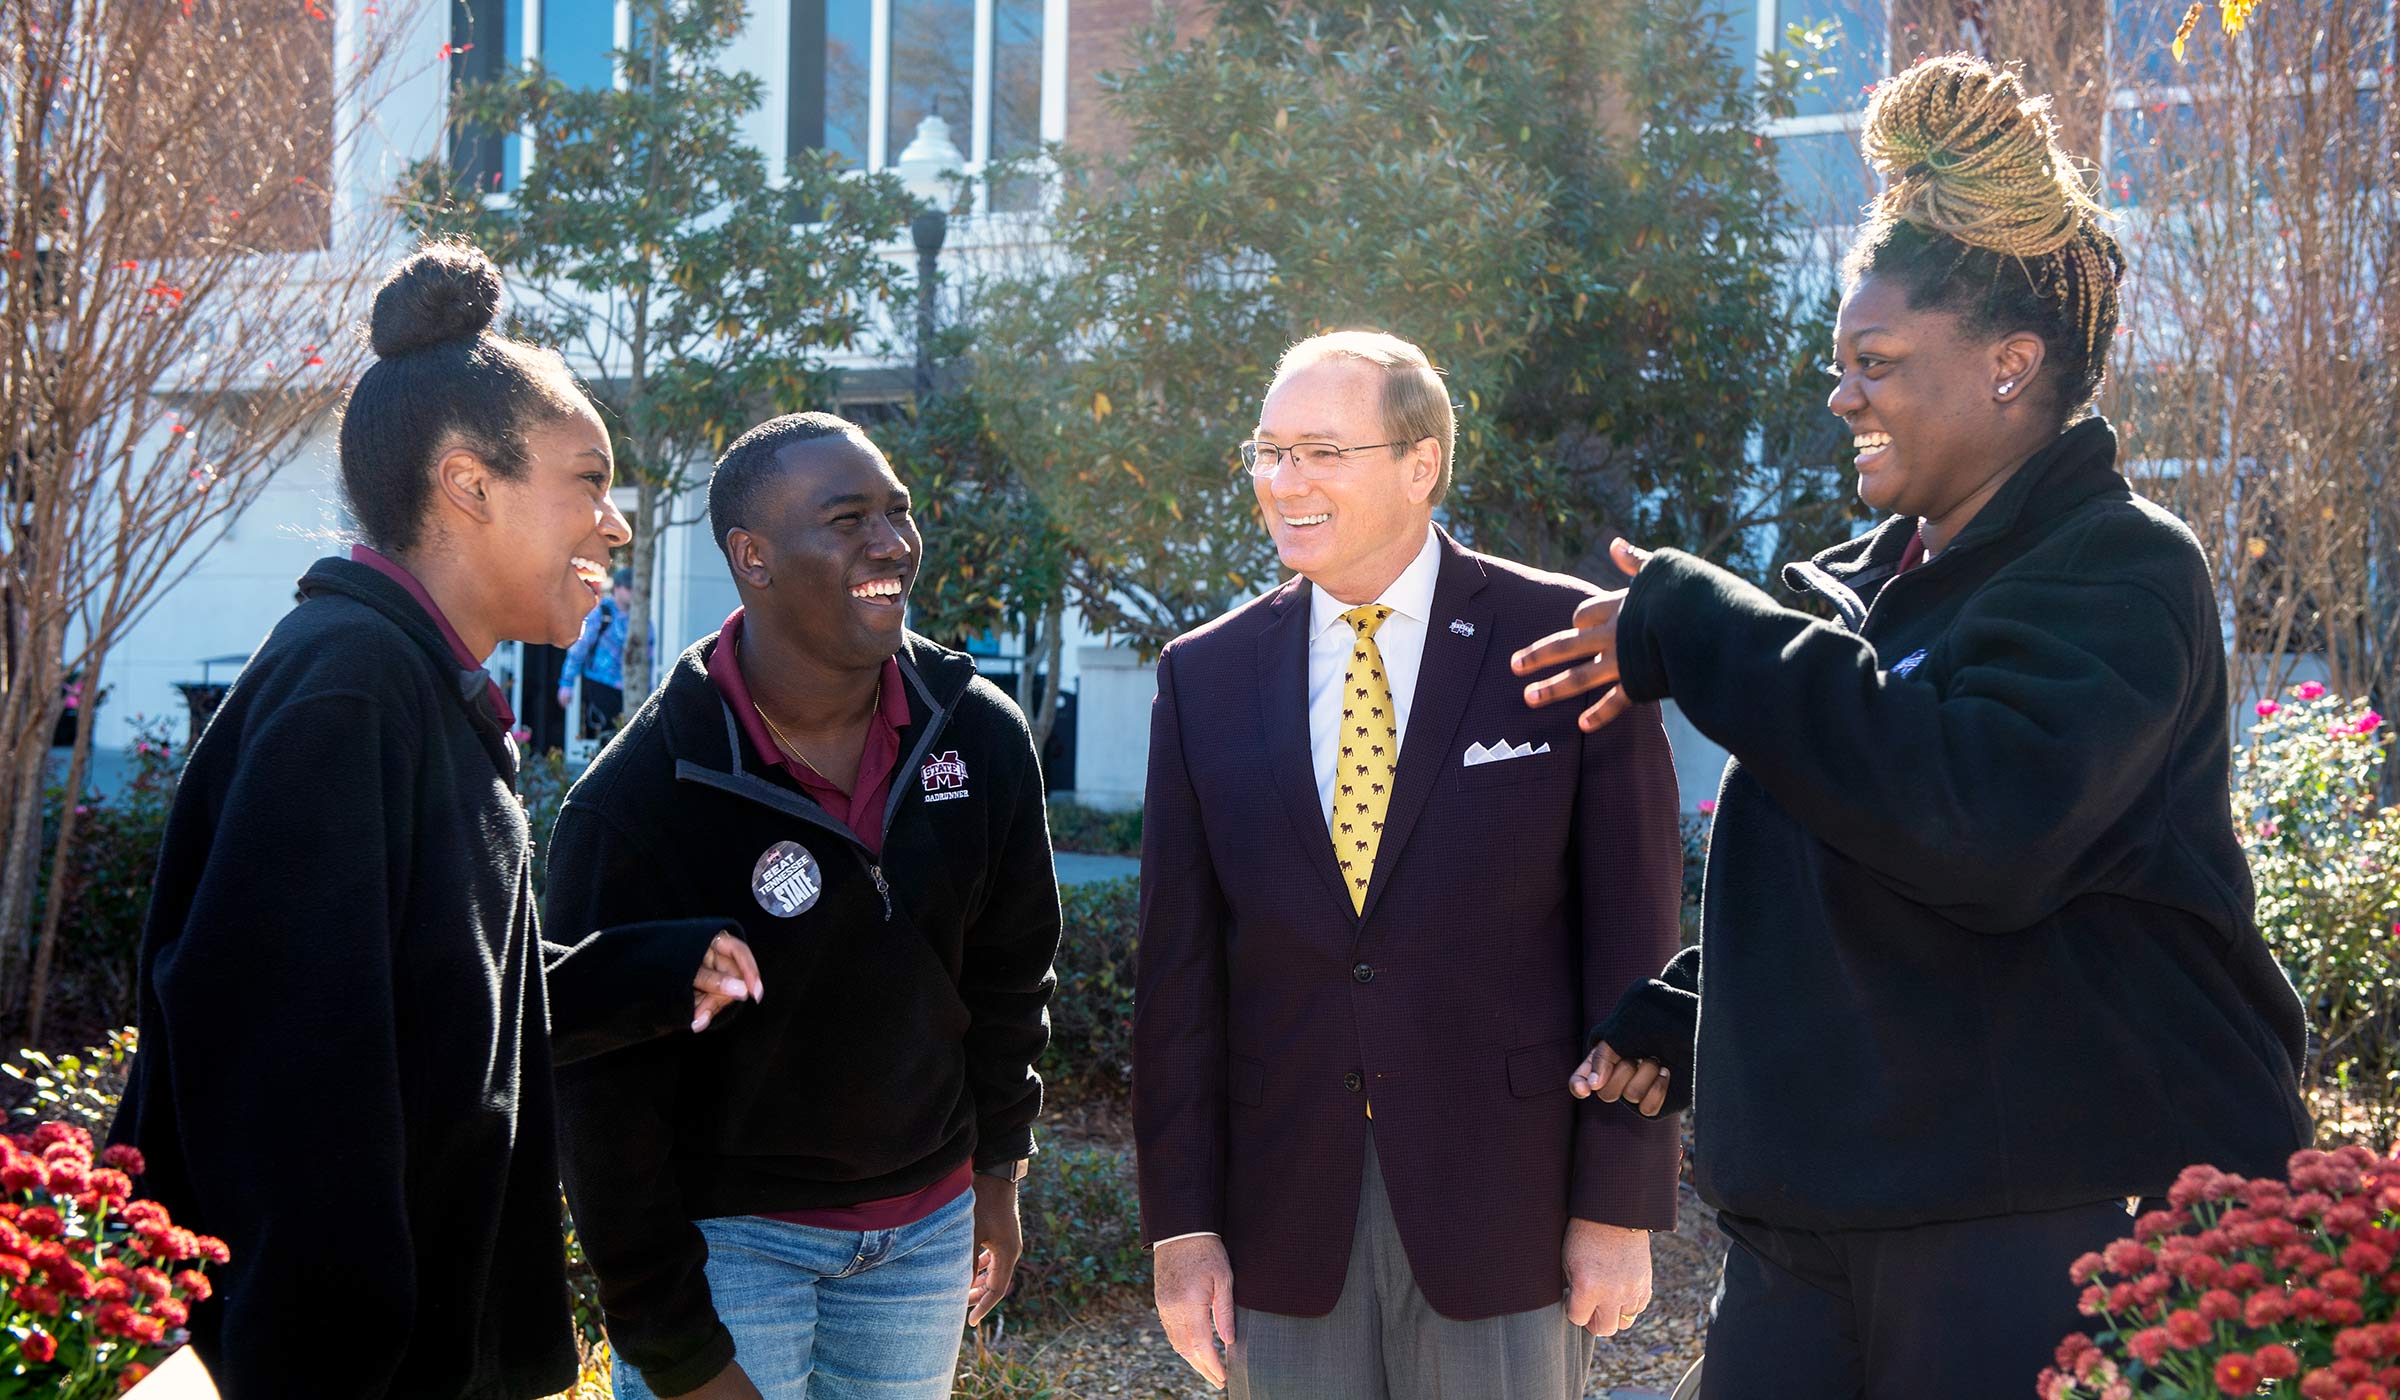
[347, 1033]
[1978, 956]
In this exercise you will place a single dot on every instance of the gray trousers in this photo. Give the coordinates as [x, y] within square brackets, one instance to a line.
[1383, 1341]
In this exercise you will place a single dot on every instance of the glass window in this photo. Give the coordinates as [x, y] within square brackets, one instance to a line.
[849, 43]
[486, 40]
[578, 37]
[1016, 95]
[1826, 177]
[1859, 58]
[933, 71]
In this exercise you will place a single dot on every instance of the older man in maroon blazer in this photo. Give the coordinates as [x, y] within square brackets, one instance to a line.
[1381, 903]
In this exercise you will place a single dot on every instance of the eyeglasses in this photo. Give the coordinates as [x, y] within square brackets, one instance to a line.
[1319, 461]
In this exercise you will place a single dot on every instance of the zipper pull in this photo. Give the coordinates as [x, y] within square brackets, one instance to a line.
[882, 889]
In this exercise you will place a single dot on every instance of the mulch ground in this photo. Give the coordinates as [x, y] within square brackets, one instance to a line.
[1117, 1352]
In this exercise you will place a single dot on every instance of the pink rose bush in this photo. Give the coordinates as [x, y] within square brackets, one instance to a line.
[2324, 852]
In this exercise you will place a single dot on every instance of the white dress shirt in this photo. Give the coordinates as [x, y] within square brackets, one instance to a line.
[1401, 639]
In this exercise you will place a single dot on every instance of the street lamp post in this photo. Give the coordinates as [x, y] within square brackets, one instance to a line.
[928, 229]
[926, 168]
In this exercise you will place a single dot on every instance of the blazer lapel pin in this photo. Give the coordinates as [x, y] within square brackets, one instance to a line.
[1463, 627]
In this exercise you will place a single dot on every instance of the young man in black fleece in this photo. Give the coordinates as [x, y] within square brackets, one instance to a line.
[1978, 960]
[815, 1199]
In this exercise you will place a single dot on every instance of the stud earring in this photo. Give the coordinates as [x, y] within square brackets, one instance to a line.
[2009, 388]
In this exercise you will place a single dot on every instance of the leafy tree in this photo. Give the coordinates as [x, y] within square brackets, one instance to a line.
[1564, 203]
[697, 290]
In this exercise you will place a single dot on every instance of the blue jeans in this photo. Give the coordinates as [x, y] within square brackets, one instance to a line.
[836, 1314]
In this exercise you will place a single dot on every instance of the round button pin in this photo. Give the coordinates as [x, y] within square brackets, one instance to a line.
[786, 880]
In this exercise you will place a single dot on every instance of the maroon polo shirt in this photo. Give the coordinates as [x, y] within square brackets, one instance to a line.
[1914, 555]
[861, 810]
[467, 660]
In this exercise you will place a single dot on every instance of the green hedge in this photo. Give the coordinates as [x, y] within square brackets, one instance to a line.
[1083, 1235]
[1090, 1057]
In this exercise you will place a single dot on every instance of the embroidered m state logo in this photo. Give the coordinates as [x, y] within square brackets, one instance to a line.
[944, 777]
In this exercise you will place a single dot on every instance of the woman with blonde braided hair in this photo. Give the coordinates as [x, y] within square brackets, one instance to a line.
[1978, 949]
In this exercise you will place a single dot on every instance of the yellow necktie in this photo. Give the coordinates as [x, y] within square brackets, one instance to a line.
[1362, 779]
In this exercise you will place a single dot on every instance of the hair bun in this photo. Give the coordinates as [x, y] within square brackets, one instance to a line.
[1967, 153]
[441, 292]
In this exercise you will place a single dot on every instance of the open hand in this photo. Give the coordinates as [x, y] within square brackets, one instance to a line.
[1194, 1288]
[1592, 642]
[727, 974]
[566, 697]
[1609, 1077]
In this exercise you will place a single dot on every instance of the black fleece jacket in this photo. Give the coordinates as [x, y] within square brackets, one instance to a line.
[345, 1056]
[1977, 937]
[904, 1007]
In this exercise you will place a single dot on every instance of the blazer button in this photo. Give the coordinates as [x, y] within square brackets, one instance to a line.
[1352, 1082]
[1363, 973]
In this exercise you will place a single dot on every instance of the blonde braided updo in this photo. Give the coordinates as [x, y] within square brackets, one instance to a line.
[1982, 215]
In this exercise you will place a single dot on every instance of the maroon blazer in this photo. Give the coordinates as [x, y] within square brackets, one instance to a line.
[1512, 904]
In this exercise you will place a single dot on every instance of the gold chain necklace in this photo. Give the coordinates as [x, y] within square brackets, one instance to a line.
[786, 739]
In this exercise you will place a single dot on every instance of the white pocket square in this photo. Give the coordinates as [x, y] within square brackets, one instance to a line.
[1500, 751]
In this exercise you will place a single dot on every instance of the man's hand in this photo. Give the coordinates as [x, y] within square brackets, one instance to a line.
[1608, 1276]
[1609, 1077]
[1591, 641]
[727, 974]
[999, 1243]
[732, 1383]
[566, 697]
[1195, 1301]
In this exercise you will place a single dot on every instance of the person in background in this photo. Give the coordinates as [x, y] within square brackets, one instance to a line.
[1978, 956]
[346, 1028]
[598, 657]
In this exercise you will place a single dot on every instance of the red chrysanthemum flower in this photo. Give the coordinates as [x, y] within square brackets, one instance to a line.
[49, 1135]
[2217, 1305]
[132, 1376]
[172, 1311]
[2238, 1374]
[125, 1157]
[2265, 1308]
[2081, 1271]
[147, 1330]
[152, 1281]
[210, 1248]
[38, 1346]
[2366, 1257]
[112, 1319]
[112, 1290]
[2149, 1346]
[14, 1268]
[2127, 1257]
[2187, 1329]
[41, 1222]
[194, 1284]
[2277, 1362]
[35, 1298]
[2322, 1384]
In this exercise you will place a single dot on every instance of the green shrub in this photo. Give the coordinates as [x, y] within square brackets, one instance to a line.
[994, 1373]
[107, 888]
[1075, 827]
[80, 1089]
[2325, 854]
[1090, 1056]
[542, 783]
[1083, 1235]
